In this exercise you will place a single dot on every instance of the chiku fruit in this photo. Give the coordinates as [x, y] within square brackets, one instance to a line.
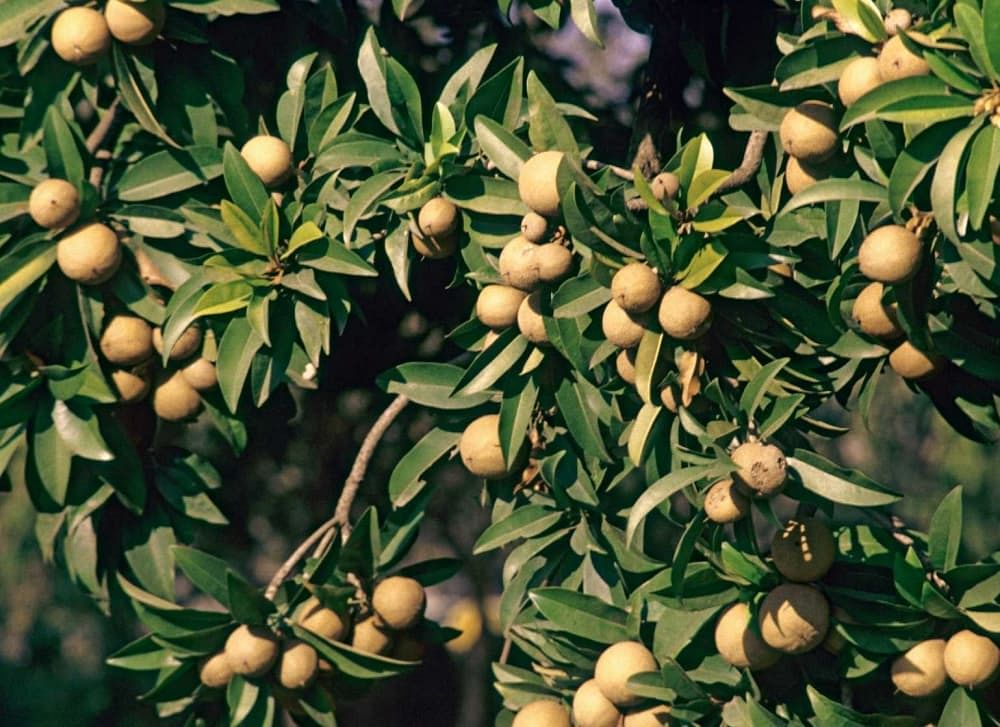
[725, 503]
[890, 254]
[636, 288]
[531, 320]
[534, 227]
[135, 23]
[439, 219]
[542, 713]
[186, 345]
[912, 363]
[656, 716]
[809, 131]
[90, 255]
[554, 262]
[684, 314]
[174, 399]
[251, 650]
[620, 328]
[739, 644]
[800, 175]
[897, 61]
[519, 266]
[269, 157]
[126, 340]
[200, 374]
[619, 663]
[368, 637]
[794, 618]
[538, 182]
[131, 386]
[896, 20]
[665, 186]
[399, 602]
[761, 468]
[54, 204]
[314, 616]
[214, 671]
[971, 660]
[920, 672]
[804, 550]
[859, 77]
[872, 316]
[80, 36]
[480, 449]
[625, 365]
[592, 709]
[298, 665]
[496, 306]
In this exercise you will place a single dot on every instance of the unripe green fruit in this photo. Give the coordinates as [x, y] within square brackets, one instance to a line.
[54, 204]
[554, 262]
[269, 157]
[636, 288]
[625, 364]
[398, 603]
[127, 340]
[251, 651]
[665, 185]
[896, 61]
[200, 374]
[920, 671]
[534, 227]
[80, 36]
[135, 23]
[214, 671]
[896, 20]
[497, 305]
[684, 314]
[911, 363]
[890, 254]
[439, 218]
[809, 131]
[538, 183]
[859, 77]
[800, 175]
[371, 639]
[874, 318]
[530, 320]
[761, 468]
[739, 644]
[480, 449]
[725, 503]
[794, 618]
[298, 665]
[174, 400]
[620, 328]
[616, 665]
[592, 709]
[542, 713]
[322, 621]
[655, 716]
[186, 345]
[971, 660]
[90, 255]
[519, 264]
[132, 387]
[804, 550]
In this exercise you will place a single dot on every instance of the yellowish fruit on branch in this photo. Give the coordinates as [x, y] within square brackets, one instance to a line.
[538, 183]
[174, 400]
[655, 716]
[200, 374]
[186, 345]
[859, 77]
[322, 621]
[802, 175]
[90, 255]
[665, 185]
[684, 314]
[54, 204]
[920, 672]
[726, 503]
[432, 248]
[251, 650]
[480, 449]
[80, 36]
[465, 616]
[214, 671]
[971, 660]
[897, 61]
[269, 157]
[761, 468]
[804, 550]
[542, 713]
[534, 227]
[439, 219]
[890, 254]
[531, 321]
[794, 618]
[298, 665]
[625, 365]
[497, 305]
[636, 288]
[398, 603]
[912, 363]
[592, 709]
[739, 644]
[370, 638]
[519, 265]
[616, 665]
[896, 20]
[809, 131]
[131, 386]
[127, 340]
[135, 23]
[621, 328]
[872, 316]
[555, 261]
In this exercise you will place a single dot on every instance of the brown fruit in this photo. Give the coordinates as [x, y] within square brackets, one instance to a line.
[739, 644]
[480, 450]
[538, 183]
[200, 374]
[80, 36]
[269, 157]
[621, 328]
[625, 364]
[665, 185]
[127, 340]
[251, 650]
[131, 386]
[497, 305]
[920, 672]
[801, 175]
[542, 713]
[54, 204]
[519, 266]
[439, 218]
[794, 618]
[636, 288]
[530, 320]
[322, 621]
[684, 315]
[726, 503]
[371, 639]
[971, 660]
[762, 468]
[555, 261]
[655, 716]
[616, 665]
[896, 61]
[135, 23]
[534, 227]
[872, 316]
[890, 254]
[398, 603]
[173, 398]
[90, 255]
[592, 709]
[298, 665]
[859, 77]
[186, 345]
[809, 131]
[433, 248]
[911, 363]
[896, 20]
[804, 550]
[214, 671]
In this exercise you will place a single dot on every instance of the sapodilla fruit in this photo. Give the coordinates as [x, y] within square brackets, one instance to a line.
[761, 468]
[920, 672]
[201, 374]
[656, 716]
[858, 78]
[439, 219]
[542, 713]
[896, 61]
[534, 227]
[126, 340]
[214, 671]
[592, 709]
[620, 328]
[890, 254]
[684, 314]
[725, 503]
[911, 363]
[616, 665]
[432, 248]
[135, 23]
[665, 185]
[186, 345]
[625, 365]
[636, 288]
[804, 550]
[497, 305]
[370, 638]
[519, 266]
[269, 157]
[872, 316]
[794, 618]
[80, 36]
[132, 387]
[251, 650]
[554, 262]
[531, 321]
[896, 20]
[398, 603]
[174, 400]
[298, 665]
[538, 183]
[54, 204]
[739, 644]
[480, 449]
[809, 131]
[971, 660]
[322, 621]
[801, 175]
[90, 255]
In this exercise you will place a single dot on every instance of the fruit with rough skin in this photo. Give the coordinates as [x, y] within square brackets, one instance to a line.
[684, 314]
[132, 386]
[761, 468]
[665, 185]
[201, 374]
[538, 183]
[726, 503]
[636, 288]
[519, 264]
[920, 672]
[912, 363]
[625, 365]
[135, 23]
[542, 713]
[971, 660]
[592, 709]
[616, 665]
[314, 616]
[555, 261]
[126, 340]
[251, 650]
[872, 316]
[738, 643]
[54, 204]
[497, 305]
[370, 638]
[859, 77]
[896, 20]
[298, 665]
[809, 131]
[439, 219]
[897, 61]
[620, 328]
[480, 449]
[802, 175]
[269, 157]
[214, 671]
[173, 398]
[90, 255]
[186, 345]
[399, 602]
[80, 36]
[534, 227]
[655, 716]
[433, 248]
[794, 618]
[890, 254]
[804, 550]
[531, 321]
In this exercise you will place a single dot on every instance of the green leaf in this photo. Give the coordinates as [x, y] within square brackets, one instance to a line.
[466, 79]
[584, 16]
[488, 195]
[981, 173]
[644, 432]
[844, 486]
[13, 200]
[146, 545]
[493, 362]
[169, 171]
[832, 190]
[351, 662]
[863, 17]
[916, 160]
[546, 126]
[886, 95]
[246, 603]
[961, 709]
[516, 410]
[944, 186]
[499, 98]
[239, 345]
[19, 270]
[292, 103]
[944, 538]
[580, 417]
[581, 615]
[134, 93]
[431, 384]
[406, 480]
[366, 197]
[18, 15]
[222, 298]
[504, 149]
[392, 92]
[991, 33]
[758, 386]
[245, 233]
[659, 491]
[206, 572]
[62, 152]
[524, 522]
[970, 22]
[244, 186]
[334, 257]
[304, 234]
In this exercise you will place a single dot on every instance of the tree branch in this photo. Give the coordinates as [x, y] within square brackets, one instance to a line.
[99, 137]
[752, 156]
[592, 165]
[895, 525]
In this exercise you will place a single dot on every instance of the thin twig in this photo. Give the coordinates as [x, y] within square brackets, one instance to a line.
[505, 651]
[896, 527]
[100, 132]
[752, 156]
[103, 134]
[592, 165]
[282, 573]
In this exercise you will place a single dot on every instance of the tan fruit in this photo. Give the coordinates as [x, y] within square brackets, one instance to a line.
[519, 264]
[538, 183]
[684, 315]
[804, 551]
[971, 660]
[534, 227]
[896, 61]
[920, 672]
[665, 185]
[762, 468]
[739, 644]
[80, 36]
[890, 254]
[433, 248]
[859, 77]
[439, 218]
[371, 639]
[480, 450]
[616, 665]
[636, 288]
[911, 363]
[531, 321]
[592, 709]
[298, 665]
[625, 364]
[896, 20]
[132, 387]
[90, 255]
[620, 328]
[214, 671]
[794, 618]
[174, 400]
[872, 316]
[809, 131]
[398, 603]
[554, 262]
[726, 503]
[186, 345]
[200, 374]
[497, 305]
[655, 716]
[54, 204]
[127, 340]
[251, 650]
[322, 621]
[135, 23]
[801, 175]
[542, 713]
[269, 157]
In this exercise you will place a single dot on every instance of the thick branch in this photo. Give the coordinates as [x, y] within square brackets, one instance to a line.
[752, 156]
